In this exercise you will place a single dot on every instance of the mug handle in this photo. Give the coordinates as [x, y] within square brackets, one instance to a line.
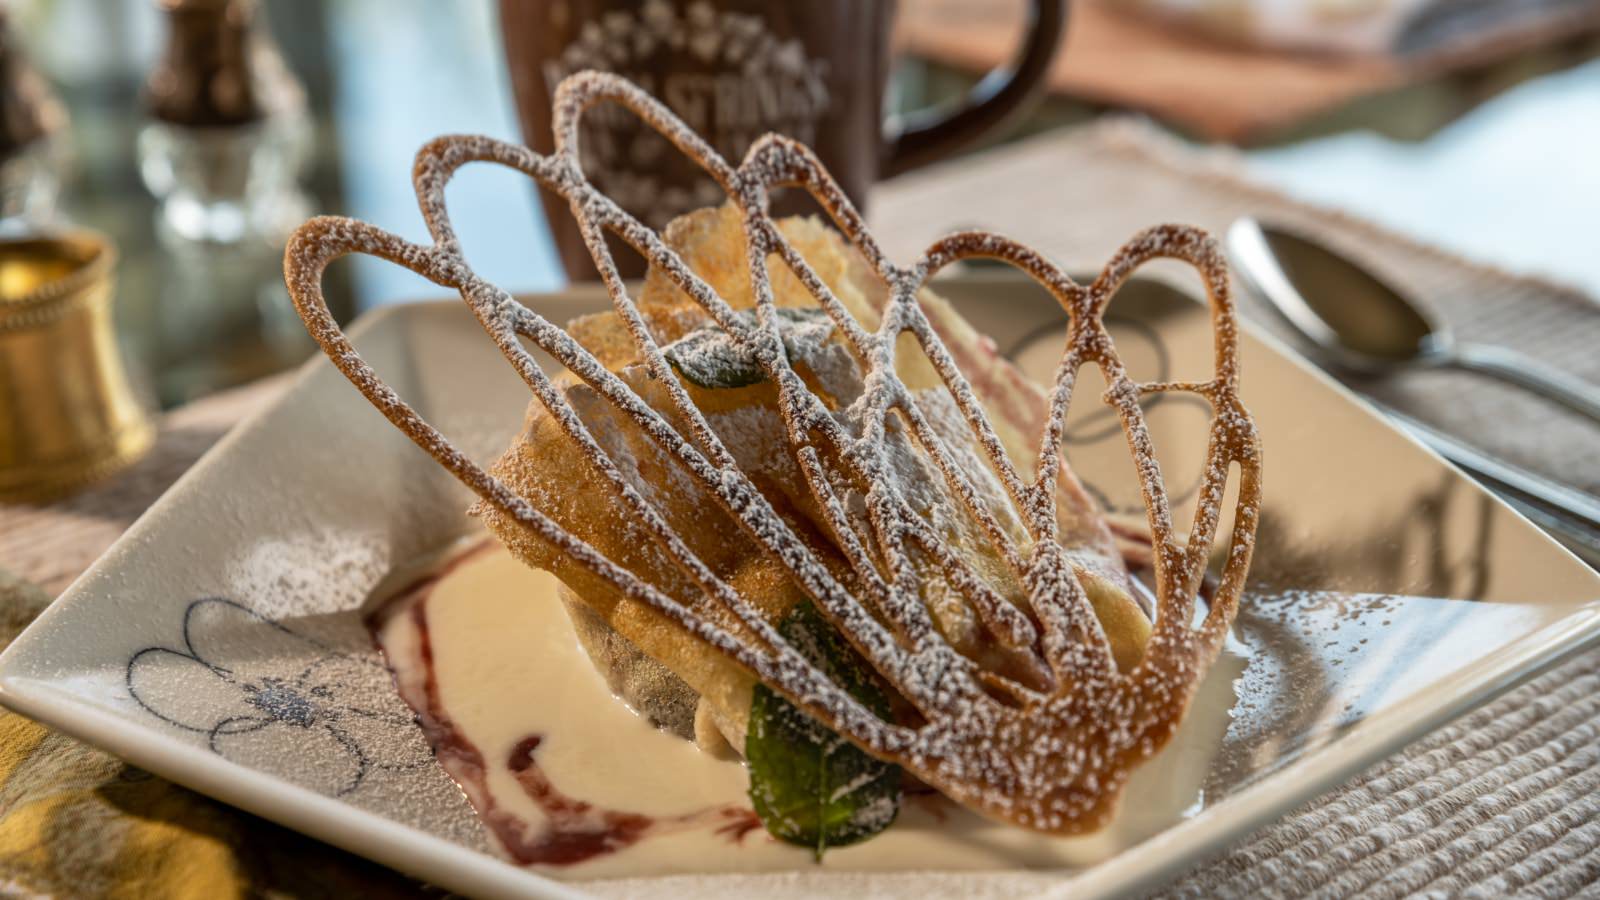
[925, 136]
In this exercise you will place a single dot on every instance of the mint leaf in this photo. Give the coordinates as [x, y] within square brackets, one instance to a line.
[709, 357]
[809, 785]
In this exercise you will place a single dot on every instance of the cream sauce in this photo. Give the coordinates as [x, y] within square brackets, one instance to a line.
[492, 656]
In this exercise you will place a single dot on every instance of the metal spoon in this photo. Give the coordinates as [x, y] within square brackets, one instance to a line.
[1361, 323]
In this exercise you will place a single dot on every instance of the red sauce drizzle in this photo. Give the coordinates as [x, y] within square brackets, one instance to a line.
[573, 830]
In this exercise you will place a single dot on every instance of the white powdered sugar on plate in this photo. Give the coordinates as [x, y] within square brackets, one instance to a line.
[324, 571]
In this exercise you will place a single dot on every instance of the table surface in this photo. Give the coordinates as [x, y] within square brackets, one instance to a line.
[1504, 800]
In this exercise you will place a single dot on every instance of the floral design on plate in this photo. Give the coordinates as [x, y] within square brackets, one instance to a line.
[262, 694]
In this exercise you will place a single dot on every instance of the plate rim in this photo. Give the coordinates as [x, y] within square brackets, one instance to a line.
[406, 848]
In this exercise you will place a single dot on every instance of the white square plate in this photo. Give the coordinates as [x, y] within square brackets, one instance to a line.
[1389, 594]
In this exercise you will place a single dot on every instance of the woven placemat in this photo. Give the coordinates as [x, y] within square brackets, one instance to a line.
[1506, 801]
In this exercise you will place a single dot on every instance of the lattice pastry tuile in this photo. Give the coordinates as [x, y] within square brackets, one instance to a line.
[1050, 753]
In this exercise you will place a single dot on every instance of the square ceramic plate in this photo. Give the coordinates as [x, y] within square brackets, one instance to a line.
[1389, 594]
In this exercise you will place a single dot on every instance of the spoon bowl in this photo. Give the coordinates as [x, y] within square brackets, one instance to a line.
[1347, 313]
[1357, 321]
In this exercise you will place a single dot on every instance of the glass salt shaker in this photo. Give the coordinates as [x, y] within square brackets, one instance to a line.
[229, 133]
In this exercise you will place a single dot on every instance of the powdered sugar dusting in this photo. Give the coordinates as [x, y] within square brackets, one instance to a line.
[1050, 751]
[319, 572]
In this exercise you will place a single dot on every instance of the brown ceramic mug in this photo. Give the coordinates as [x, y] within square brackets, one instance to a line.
[815, 70]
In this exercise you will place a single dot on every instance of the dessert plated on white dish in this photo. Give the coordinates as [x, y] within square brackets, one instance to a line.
[221, 642]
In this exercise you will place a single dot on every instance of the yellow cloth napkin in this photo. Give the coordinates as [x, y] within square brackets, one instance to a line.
[76, 822]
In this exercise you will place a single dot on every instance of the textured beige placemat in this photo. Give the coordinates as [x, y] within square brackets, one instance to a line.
[1506, 801]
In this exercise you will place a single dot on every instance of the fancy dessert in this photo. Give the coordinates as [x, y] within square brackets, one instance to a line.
[788, 557]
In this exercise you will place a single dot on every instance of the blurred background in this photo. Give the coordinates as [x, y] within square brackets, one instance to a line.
[1472, 125]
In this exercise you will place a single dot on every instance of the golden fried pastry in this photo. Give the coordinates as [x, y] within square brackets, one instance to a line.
[545, 464]
[786, 414]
